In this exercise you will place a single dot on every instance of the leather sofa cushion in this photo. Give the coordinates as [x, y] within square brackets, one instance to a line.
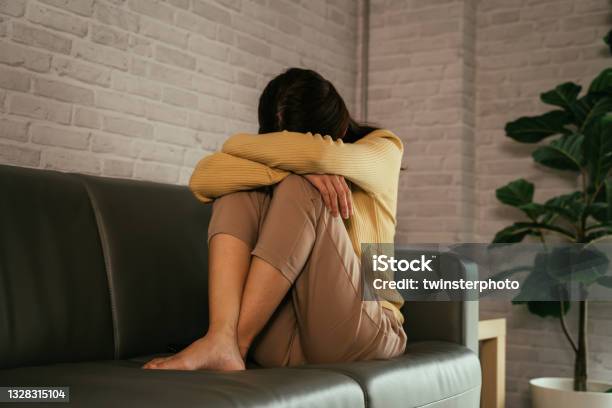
[437, 373]
[54, 298]
[123, 383]
[154, 241]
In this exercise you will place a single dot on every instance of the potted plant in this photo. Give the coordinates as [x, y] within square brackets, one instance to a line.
[582, 144]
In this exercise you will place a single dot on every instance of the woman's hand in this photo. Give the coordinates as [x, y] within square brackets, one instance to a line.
[335, 191]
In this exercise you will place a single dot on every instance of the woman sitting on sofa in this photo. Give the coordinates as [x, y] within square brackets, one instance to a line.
[285, 281]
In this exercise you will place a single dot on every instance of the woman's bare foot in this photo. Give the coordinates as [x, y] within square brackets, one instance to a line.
[211, 352]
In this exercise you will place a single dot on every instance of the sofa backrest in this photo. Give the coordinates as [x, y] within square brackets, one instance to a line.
[54, 302]
[95, 268]
[455, 321]
[153, 238]
[98, 268]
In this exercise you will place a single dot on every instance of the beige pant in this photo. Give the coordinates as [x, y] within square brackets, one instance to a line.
[323, 319]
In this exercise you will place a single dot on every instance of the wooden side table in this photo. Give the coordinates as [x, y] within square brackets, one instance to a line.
[492, 338]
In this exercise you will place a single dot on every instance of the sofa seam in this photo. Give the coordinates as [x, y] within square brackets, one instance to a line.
[107, 263]
[366, 394]
[366, 403]
[449, 397]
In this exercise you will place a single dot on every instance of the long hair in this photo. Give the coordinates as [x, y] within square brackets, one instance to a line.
[301, 100]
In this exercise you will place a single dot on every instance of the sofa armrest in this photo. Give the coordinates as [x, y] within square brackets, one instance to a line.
[454, 321]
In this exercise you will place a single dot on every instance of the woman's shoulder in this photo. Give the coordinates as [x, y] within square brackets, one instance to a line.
[386, 135]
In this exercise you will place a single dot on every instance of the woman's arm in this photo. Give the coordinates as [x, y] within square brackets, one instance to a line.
[368, 162]
[220, 173]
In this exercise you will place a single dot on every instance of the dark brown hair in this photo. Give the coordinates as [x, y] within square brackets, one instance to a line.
[301, 100]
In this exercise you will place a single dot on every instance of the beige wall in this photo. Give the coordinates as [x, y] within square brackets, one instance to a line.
[144, 88]
[525, 48]
[452, 120]
[421, 85]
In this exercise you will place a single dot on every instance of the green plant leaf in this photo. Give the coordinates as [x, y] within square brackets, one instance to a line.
[608, 40]
[547, 227]
[583, 106]
[537, 210]
[532, 129]
[569, 204]
[547, 309]
[600, 106]
[565, 200]
[598, 149]
[516, 193]
[608, 187]
[564, 153]
[563, 95]
[511, 235]
[602, 82]
[598, 235]
[534, 210]
[572, 264]
[571, 214]
[605, 281]
[540, 284]
[599, 211]
[605, 226]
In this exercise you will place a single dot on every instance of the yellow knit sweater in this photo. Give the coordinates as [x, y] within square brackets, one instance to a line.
[371, 164]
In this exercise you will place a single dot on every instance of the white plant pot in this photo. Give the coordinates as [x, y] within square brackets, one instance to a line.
[559, 393]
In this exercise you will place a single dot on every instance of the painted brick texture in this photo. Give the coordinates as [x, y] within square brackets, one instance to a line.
[144, 88]
[525, 48]
[421, 85]
[447, 75]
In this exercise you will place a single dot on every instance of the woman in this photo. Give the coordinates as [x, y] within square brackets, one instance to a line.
[284, 271]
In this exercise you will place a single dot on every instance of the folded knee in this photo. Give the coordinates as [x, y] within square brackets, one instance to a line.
[239, 199]
[296, 186]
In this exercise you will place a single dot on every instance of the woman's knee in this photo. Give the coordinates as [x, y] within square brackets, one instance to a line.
[297, 188]
[239, 214]
[240, 199]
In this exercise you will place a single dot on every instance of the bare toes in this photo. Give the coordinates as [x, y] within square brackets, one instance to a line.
[172, 363]
[154, 363]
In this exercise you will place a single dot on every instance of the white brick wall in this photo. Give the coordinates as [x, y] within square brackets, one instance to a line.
[144, 88]
[524, 48]
[447, 75]
[421, 86]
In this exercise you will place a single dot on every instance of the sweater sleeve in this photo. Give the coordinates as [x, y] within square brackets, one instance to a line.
[220, 173]
[370, 162]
